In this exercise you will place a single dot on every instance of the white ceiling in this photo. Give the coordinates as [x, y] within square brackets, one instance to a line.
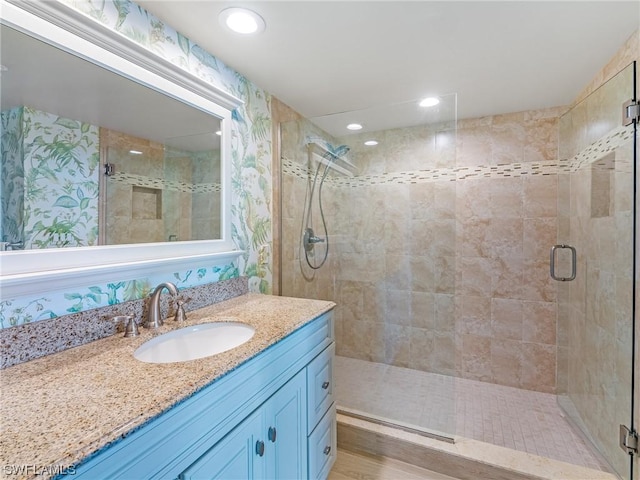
[324, 57]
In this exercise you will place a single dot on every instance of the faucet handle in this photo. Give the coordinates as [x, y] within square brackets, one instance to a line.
[131, 328]
[130, 324]
[181, 315]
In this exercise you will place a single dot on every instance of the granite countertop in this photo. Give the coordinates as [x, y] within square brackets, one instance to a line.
[58, 409]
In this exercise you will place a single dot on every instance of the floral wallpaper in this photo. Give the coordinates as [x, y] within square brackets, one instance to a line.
[251, 157]
[53, 304]
[61, 158]
[11, 176]
[50, 180]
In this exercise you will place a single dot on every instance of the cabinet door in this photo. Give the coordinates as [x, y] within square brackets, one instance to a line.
[286, 431]
[236, 457]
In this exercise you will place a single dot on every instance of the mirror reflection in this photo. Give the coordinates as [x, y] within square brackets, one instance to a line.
[92, 158]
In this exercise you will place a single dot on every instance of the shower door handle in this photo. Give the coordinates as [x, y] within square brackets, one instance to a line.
[552, 263]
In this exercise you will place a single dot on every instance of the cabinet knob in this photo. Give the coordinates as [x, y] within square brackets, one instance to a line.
[325, 385]
[272, 434]
[327, 450]
[260, 447]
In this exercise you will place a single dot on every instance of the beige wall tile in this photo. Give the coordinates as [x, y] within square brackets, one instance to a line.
[444, 354]
[506, 362]
[398, 304]
[537, 284]
[397, 345]
[445, 274]
[475, 316]
[505, 237]
[421, 349]
[422, 200]
[539, 236]
[474, 237]
[507, 317]
[538, 367]
[509, 277]
[508, 138]
[422, 237]
[539, 322]
[473, 144]
[540, 196]
[445, 200]
[541, 142]
[506, 196]
[445, 310]
[398, 273]
[422, 270]
[423, 310]
[476, 357]
[476, 276]
[473, 199]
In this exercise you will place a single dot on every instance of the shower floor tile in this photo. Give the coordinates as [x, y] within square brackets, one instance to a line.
[523, 420]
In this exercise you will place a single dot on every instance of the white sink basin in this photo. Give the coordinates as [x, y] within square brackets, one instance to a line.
[194, 342]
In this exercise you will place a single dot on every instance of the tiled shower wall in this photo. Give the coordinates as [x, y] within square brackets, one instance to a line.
[133, 214]
[161, 194]
[506, 319]
[596, 216]
[439, 248]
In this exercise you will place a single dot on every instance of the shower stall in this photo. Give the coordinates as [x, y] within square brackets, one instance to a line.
[433, 235]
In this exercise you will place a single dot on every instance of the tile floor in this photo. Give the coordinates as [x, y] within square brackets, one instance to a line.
[523, 420]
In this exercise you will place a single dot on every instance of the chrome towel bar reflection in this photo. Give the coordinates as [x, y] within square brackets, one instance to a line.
[552, 263]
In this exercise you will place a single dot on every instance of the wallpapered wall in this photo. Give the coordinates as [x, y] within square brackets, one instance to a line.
[251, 171]
[56, 160]
[11, 175]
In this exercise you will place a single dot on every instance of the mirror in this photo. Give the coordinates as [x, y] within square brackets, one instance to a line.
[126, 164]
[200, 107]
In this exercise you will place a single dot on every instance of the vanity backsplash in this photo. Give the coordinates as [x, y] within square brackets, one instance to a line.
[33, 340]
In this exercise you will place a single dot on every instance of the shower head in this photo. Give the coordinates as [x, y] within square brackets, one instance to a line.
[331, 152]
[335, 153]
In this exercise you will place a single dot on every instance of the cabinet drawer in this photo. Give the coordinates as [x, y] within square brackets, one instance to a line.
[319, 386]
[323, 446]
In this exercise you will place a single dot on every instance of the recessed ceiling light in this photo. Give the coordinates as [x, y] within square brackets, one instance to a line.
[219, 132]
[135, 152]
[242, 20]
[354, 126]
[371, 143]
[429, 102]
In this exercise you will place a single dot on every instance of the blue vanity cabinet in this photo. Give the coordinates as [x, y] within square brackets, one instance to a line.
[234, 457]
[321, 415]
[221, 431]
[286, 433]
[271, 443]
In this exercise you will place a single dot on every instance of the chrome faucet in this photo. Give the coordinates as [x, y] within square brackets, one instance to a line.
[154, 320]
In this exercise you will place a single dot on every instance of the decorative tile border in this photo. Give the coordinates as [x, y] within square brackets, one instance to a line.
[162, 184]
[607, 144]
[594, 152]
[57, 334]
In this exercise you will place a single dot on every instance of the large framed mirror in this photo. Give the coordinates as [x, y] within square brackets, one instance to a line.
[112, 157]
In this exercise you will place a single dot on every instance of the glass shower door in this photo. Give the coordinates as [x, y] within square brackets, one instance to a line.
[388, 218]
[595, 310]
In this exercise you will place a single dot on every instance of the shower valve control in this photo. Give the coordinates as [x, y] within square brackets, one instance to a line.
[309, 239]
